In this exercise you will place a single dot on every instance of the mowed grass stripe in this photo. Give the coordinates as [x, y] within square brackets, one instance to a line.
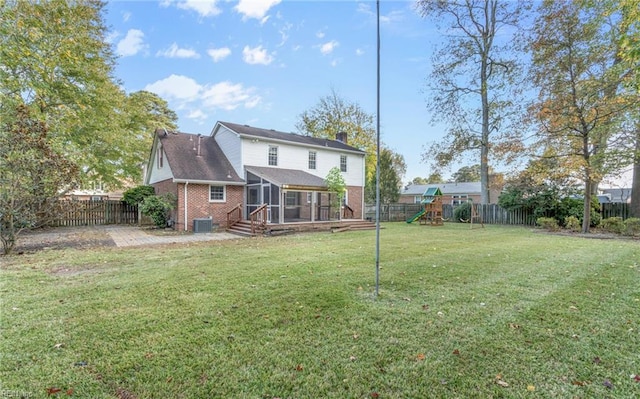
[294, 316]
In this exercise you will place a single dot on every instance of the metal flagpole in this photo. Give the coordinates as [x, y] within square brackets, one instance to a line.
[378, 152]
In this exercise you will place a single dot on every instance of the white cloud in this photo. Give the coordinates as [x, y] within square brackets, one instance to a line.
[219, 54]
[255, 9]
[320, 34]
[256, 55]
[229, 96]
[125, 16]
[177, 87]
[328, 47]
[335, 63]
[132, 44]
[184, 93]
[359, 52]
[175, 52]
[205, 8]
[197, 114]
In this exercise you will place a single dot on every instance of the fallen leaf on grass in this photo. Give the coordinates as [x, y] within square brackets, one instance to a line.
[608, 384]
[514, 326]
[456, 352]
[58, 346]
[407, 299]
[573, 308]
[299, 367]
[375, 395]
[425, 307]
[531, 388]
[500, 382]
[353, 358]
[420, 356]
[636, 377]
[596, 360]
[581, 383]
[69, 392]
[53, 391]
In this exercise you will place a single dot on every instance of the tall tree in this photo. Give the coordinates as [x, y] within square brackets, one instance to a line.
[629, 52]
[333, 114]
[390, 182]
[576, 68]
[467, 174]
[474, 78]
[33, 174]
[145, 112]
[54, 58]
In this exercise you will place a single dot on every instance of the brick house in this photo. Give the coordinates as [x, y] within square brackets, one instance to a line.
[452, 193]
[244, 168]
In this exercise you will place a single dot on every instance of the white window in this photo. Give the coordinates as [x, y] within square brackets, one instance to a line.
[312, 159]
[273, 155]
[459, 199]
[343, 163]
[217, 194]
[417, 199]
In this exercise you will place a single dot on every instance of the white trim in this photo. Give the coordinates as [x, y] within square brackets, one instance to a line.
[209, 182]
[224, 193]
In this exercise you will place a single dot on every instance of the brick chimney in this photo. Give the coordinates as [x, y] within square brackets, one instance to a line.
[341, 137]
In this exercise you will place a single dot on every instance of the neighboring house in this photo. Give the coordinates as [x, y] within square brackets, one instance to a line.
[240, 165]
[615, 195]
[452, 193]
[94, 195]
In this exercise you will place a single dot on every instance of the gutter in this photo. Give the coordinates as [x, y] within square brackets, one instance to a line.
[222, 183]
[186, 203]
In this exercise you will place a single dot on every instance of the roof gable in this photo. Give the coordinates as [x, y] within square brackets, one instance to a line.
[196, 158]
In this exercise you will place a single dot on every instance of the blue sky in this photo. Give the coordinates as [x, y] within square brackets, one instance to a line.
[264, 62]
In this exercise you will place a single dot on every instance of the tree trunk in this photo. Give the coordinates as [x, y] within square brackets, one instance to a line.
[634, 206]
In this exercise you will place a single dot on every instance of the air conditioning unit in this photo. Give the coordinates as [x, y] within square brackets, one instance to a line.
[204, 225]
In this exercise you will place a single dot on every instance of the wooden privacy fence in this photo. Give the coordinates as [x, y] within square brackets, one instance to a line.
[490, 213]
[90, 213]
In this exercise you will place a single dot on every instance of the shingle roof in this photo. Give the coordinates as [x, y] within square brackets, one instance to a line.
[446, 188]
[290, 178]
[246, 130]
[211, 165]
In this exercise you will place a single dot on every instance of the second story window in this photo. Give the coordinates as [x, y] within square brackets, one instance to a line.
[273, 156]
[343, 163]
[312, 159]
[160, 157]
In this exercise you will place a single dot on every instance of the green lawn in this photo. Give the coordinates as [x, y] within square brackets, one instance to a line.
[461, 314]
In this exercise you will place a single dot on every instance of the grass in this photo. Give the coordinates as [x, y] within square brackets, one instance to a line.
[460, 312]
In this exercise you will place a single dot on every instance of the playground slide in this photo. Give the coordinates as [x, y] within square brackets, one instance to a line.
[415, 217]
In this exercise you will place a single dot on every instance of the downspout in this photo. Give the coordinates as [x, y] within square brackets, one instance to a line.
[186, 226]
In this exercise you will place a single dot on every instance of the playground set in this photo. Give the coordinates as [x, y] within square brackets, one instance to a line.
[431, 213]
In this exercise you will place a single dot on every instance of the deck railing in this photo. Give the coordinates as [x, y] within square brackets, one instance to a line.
[234, 215]
[258, 219]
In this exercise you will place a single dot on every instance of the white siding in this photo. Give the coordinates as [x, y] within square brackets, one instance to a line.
[255, 153]
[159, 174]
[230, 144]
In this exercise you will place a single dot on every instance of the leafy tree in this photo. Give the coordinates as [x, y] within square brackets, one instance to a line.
[336, 184]
[157, 207]
[474, 81]
[467, 174]
[390, 182]
[434, 178]
[135, 196]
[33, 174]
[422, 180]
[333, 114]
[54, 58]
[578, 74]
